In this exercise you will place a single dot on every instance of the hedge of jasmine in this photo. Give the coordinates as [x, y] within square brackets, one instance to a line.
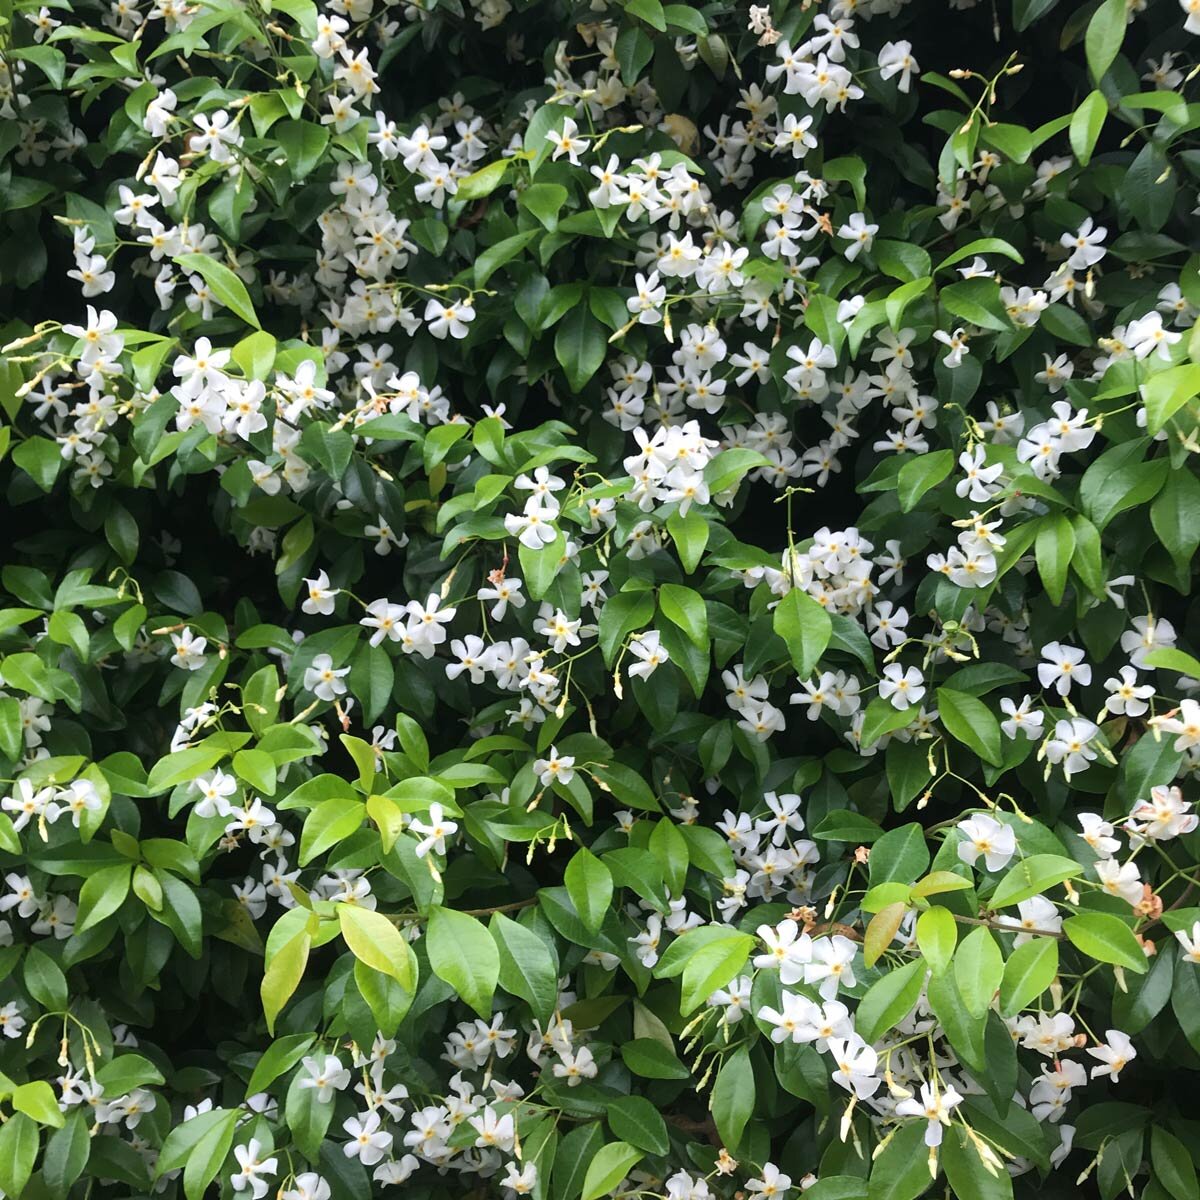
[598, 599]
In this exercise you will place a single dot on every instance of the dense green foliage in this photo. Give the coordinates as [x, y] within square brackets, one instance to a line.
[598, 599]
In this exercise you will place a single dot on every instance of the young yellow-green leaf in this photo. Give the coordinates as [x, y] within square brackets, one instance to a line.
[611, 1164]
[711, 967]
[938, 882]
[937, 935]
[883, 928]
[1027, 974]
[374, 940]
[1031, 877]
[463, 954]
[283, 975]
[1107, 939]
[37, 1100]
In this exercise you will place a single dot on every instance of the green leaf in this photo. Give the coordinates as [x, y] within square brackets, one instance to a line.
[921, 473]
[978, 970]
[66, 1155]
[303, 143]
[331, 822]
[1166, 392]
[733, 1097]
[977, 301]
[889, 1000]
[1054, 547]
[969, 1177]
[102, 894]
[805, 628]
[282, 1054]
[988, 245]
[650, 11]
[589, 883]
[208, 1157]
[1027, 974]
[937, 935]
[683, 607]
[1105, 33]
[883, 927]
[611, 1164]
[374, 940]
[1086, 125]
[484, 181]
[635, 1120]
[1172, 1163]
[650, 1059]
[18, 1149]
[580, 343]
[528, 967]
[40, 459]
[901, 1172]
[690, 535]
[1107, 939]
[971, 722]
[539, 567]
[462, 952]
[223, 283]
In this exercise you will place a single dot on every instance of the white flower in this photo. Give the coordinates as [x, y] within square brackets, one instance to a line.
[1190, 944]
[934, 1106]
[555, 768]
[566, 142]
[1098, 834]
[320, 596]
[436, 831]
[859, 233]
[1071, 745]
[1114, 1055]
[324, 680]
[856, 1064]
[1120, 880]
[189, 650]
[1064, 665]
[1085, 245]
[325, 1075]
[903, 688]
[895, 58]
[368, 1143]
[1126, 696]
[1021, 717]
[647, 646]
[252, 1168]
[771, 1185]
[575, 1066]
[1186, 725]
[984, 835]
